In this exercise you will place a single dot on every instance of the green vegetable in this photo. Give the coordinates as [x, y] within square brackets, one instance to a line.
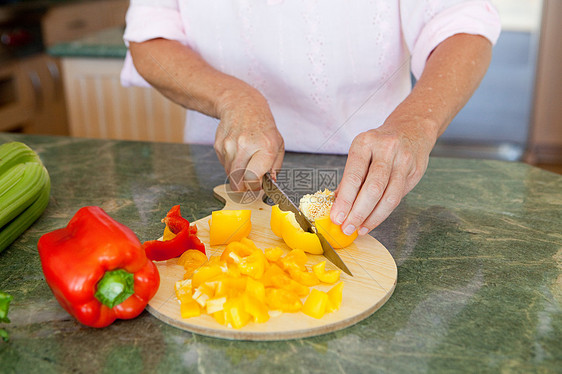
[4, 306]
[24, 190]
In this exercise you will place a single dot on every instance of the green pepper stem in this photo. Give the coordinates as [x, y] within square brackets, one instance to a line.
[115, 287]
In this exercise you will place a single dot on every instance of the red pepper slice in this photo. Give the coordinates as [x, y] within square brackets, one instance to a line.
[97, 269]
[186, 238]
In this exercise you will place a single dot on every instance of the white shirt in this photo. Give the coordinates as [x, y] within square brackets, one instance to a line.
[329, 69]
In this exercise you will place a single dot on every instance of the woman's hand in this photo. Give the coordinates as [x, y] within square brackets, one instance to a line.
[383, 165]
[247, 141]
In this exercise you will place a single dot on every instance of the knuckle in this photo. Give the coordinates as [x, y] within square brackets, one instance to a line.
[374, 189]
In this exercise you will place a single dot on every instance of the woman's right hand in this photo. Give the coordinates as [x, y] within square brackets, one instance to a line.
[247, 141]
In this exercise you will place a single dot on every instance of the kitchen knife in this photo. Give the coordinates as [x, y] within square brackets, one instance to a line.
[276, 194]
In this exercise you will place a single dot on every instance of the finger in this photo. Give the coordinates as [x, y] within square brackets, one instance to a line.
[368, 197]
[278, 163]
[353, 175]
[260, 163]
[395, 190]
[238, 166]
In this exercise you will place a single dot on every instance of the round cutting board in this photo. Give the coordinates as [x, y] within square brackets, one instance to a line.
[373, 268]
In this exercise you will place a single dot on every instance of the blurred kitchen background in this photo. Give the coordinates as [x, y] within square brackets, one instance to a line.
[60, 62]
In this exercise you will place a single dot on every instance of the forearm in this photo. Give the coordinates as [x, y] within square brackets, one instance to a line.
[181, 75]
[451, 75]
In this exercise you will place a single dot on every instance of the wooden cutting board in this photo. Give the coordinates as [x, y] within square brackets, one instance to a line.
[374, 278]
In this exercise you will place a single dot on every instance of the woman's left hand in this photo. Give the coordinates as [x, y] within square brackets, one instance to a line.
[383, 165]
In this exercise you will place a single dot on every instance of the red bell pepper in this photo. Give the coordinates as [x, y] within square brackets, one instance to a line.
[97, 269]
[186, 238]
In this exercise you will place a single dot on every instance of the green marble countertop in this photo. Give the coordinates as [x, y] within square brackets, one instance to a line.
[478, 246]
[107, 43]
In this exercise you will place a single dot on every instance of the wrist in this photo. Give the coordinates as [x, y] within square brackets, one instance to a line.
[237, 96]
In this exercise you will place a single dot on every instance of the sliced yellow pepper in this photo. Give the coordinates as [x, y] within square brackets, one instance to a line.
[315, 304]
[227, 226]
[330, 276]
[333, 233]
[284, 225]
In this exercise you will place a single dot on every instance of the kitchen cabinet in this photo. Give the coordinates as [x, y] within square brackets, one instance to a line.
[32, 97]
[99, 107]
[67, 22]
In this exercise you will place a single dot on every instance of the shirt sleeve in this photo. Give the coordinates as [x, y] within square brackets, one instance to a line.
[145, 20]
[426, 23]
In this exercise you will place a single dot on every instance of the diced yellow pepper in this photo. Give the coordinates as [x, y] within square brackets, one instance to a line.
[255, 289]
[230, 286]
[295, 259]
[333, 233]
[305, 278]
[204, 273]
[256, 308]
[239, 249]
[335, 296]
[190, 308]
[183, 290]
[220, 317]
[203, 293]
[315, 304]
[236, 314]
[273, 254]
[227, 226]
[283, 300]
[191, 260]
[252, 265]
[216, 304]
[330, 276]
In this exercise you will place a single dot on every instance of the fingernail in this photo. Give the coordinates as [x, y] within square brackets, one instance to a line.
[339, 218]
[349, 229]
[363, 230]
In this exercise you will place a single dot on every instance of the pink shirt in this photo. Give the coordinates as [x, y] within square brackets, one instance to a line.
[329, 69]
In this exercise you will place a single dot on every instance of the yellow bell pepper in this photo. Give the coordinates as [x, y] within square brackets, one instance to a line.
[315, 304]
[330, 276]
[333, 233]
[227, 226]
[284, 225]
[335, 296]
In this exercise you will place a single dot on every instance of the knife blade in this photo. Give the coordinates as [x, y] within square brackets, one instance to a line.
[278, 196]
